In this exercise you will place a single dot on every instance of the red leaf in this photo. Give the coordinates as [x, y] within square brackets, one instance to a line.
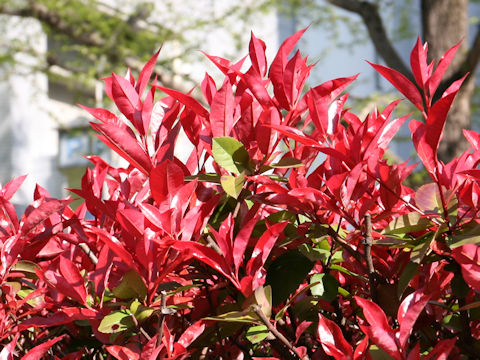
[38, 351]
[126, 98]
[186, 100]
[221, 111]
[473, 138]
[408, 312]
[207, 256]
[332, 340]
[62, 316]
[12, 186]
[125, 145]
[41, 214]
[123, 352]
[191, 333]
[442, 66]
[319, 99]
[468, 256]
[165, 180]
[241, 242]
[209, 88]
[424, 150]
[10, 216]
[146, 73]
[114, 244]
[8, 350]
[401, 83]
[441, 350]
[277, 68]
[103, 115]
[263, 247]
[72, 276]
[380, 331]
[258, 88]
[257, 55]
[418, 62]
[361, 350]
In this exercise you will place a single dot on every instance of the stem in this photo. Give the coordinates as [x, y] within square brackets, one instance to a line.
[86, 249]
[368, 241]
[347, 247]
[161, 318]
[258, 310]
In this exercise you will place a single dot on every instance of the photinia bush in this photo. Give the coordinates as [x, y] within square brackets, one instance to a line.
[284, 234]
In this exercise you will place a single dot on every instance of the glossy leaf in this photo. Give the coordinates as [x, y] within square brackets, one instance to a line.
[230, 154]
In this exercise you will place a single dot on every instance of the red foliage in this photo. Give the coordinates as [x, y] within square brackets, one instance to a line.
[285, 233]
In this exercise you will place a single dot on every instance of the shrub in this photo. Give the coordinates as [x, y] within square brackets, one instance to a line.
[285, 233]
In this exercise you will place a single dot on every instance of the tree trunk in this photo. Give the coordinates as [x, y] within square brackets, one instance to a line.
[445, 23]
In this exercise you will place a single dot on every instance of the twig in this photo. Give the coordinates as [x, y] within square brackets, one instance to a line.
[213, 245]
[346, 246]
[368, 241]
[86, 249]
[161, 318]
[258, 310]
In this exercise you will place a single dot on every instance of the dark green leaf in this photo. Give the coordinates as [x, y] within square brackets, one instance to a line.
[286, 273]
[327, 287]
[131, 286]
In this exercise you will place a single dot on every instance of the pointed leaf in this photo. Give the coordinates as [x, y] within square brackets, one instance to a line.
[39, 351]
[401, 83]
[230, 154]
[221, 111]
[408, 312]
[116, 321]
[233, 185]
[380, 331]
[146, 73]
[332, 340]
[186, 100]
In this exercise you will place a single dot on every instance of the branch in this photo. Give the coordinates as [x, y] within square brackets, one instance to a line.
[372, 20]
[93, 39]
[258, 310]
[53, 20]
[368, 256]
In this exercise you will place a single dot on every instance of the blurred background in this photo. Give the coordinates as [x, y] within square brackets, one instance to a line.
[52, 53]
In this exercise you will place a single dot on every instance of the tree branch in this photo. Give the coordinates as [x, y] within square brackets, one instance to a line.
[372, 20]
[93, 39]
[473, 56]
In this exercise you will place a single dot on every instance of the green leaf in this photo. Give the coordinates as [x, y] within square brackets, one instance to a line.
[407, 275]
[140, 312]
[327, 287]
[230, 154]
[257, 333]
[115, 322]
[204, 177]
[287, 163]
[470, 234]
[290, 301]
[25, 266]
[233, 185]
[407, 223]
[459, 287]
[131, 286]
[235, 316]
[261, 296]
[286, 273]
